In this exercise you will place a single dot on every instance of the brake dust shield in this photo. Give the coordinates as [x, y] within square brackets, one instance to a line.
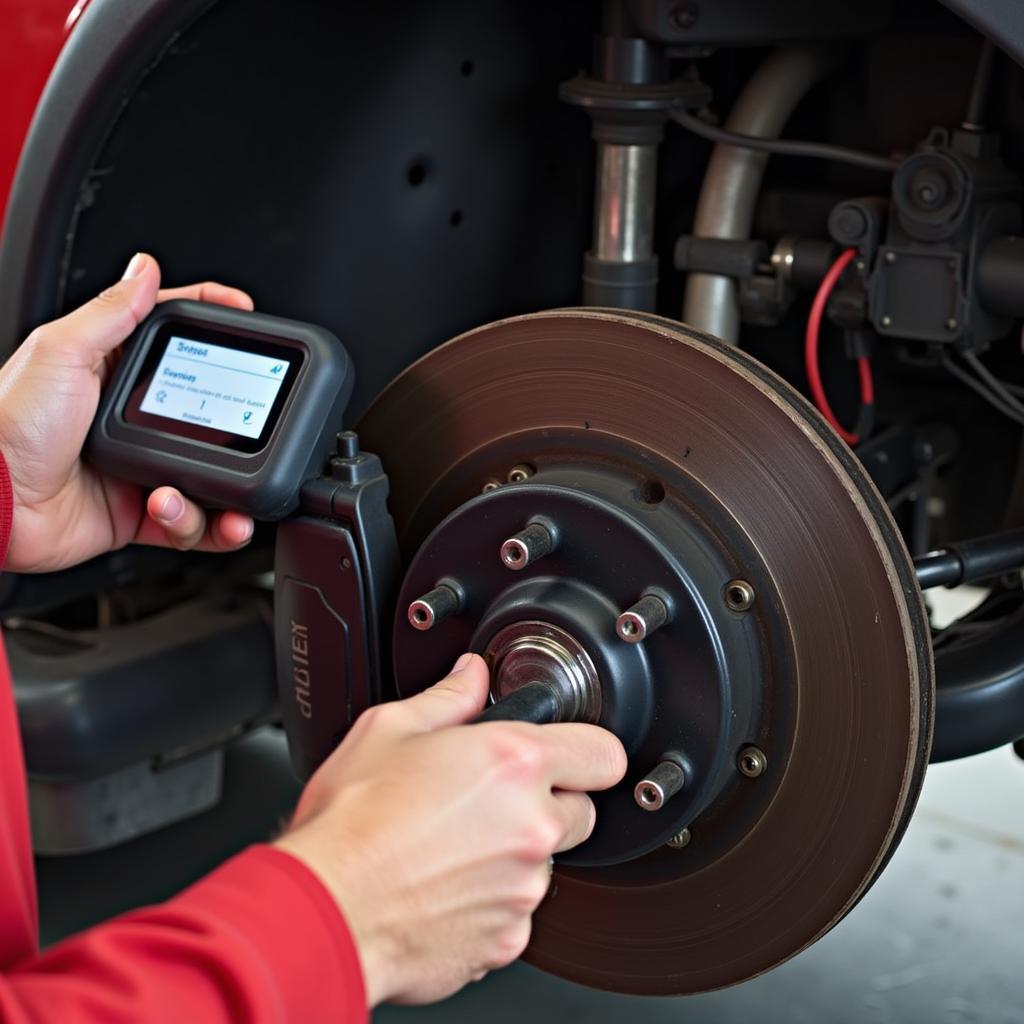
[845, 692]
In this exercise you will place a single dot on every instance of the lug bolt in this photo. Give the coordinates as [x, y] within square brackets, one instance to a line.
[680, 840]
[444, 600]
[527, 546]
[640, 621]
[491, 485]
[739, 595]
[752, 762]
[517, 474]
[657, 787]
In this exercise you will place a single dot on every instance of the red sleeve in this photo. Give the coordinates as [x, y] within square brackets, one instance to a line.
[259, 940]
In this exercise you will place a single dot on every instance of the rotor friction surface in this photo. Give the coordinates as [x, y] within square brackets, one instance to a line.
[756, 886]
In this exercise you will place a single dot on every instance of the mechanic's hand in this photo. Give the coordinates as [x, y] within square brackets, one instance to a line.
[434, 837]
[64, 511]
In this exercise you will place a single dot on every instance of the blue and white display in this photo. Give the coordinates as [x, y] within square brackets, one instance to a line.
[212, 386]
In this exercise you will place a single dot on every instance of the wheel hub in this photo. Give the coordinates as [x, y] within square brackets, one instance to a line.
[685, 692]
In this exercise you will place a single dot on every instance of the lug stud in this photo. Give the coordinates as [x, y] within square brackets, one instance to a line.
[640, 621]
[444, 600]
[657, 787]
[527, 546]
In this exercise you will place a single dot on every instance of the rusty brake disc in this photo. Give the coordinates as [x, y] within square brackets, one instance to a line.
[683, 426]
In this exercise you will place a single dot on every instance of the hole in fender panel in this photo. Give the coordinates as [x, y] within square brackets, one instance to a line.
[419, 171]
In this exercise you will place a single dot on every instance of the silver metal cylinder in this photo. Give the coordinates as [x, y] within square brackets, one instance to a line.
[528, 546]
[732, 182]
[624, 202]
[657, 787]
[531, 652]
[640, 621]
[427, 611]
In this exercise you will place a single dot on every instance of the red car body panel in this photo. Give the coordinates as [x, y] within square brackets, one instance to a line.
[32, 33]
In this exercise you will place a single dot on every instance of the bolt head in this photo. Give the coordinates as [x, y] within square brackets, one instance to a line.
[680, 840]
[517, 474]
[890, 258]
[739, 595]
[952, 324]
[887, 321]
[752, 762]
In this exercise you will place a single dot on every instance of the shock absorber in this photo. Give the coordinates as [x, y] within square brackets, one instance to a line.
[628, 102]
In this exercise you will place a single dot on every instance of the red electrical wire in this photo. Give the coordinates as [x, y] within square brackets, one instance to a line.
[867, 386]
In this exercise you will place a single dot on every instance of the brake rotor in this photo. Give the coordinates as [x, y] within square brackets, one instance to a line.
[642, 436]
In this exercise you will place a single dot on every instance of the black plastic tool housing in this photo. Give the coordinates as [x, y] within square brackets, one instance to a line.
[264, 483]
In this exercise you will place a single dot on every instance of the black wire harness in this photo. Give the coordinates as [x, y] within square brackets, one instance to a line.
[783, 147]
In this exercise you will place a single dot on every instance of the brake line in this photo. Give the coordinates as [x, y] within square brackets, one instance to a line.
[867, 387]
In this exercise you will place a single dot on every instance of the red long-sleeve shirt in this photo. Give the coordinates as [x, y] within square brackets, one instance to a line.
[259, 940]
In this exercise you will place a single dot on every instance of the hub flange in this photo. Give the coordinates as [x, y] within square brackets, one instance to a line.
[693, 690]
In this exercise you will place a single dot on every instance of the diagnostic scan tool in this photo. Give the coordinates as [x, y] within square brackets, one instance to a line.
[236, 409]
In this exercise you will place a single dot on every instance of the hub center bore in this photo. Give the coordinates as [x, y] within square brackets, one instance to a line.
[539, 652]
